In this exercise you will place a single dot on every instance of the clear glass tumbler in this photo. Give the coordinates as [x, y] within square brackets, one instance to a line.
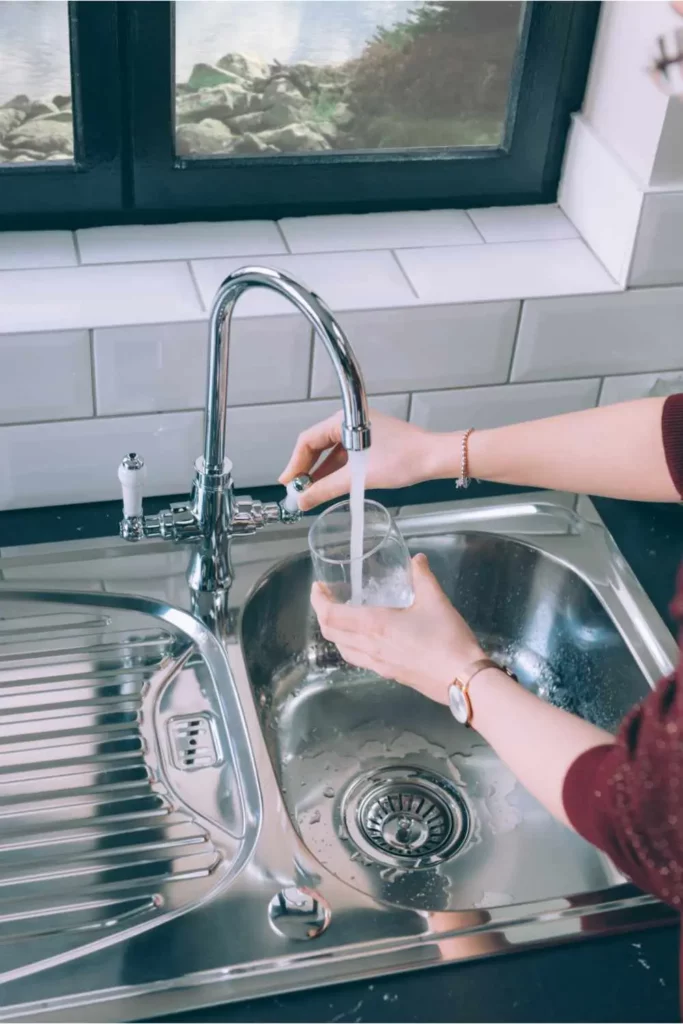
[385, 571]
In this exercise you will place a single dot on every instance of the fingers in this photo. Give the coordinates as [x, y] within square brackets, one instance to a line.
[326, 489]
[310, 445]
[346, 618]
[424, 580]
[334, 460]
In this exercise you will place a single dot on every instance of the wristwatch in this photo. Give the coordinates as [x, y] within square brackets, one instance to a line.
[458, 692]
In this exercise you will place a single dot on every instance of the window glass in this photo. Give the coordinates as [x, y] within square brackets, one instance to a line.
[35, 82]
[271, 77]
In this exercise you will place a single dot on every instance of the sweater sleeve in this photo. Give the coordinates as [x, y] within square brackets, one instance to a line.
[672, 436]
[627, 797]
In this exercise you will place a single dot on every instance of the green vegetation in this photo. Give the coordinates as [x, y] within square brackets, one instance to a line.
[437, 78]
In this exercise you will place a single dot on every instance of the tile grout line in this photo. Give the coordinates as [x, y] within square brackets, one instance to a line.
[404, 275]
[318, 398]
[327, 398]
[515, 341]
[475, 226]
[283, 236]
[93, 380]
[423, 304]
[79, 258]
[195, 283]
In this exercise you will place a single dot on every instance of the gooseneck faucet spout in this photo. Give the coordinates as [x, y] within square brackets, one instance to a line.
[213, 516]
[355, 428]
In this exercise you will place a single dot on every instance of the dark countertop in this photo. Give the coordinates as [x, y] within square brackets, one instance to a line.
[630, 977]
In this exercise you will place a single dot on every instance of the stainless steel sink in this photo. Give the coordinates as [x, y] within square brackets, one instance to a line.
[356, 754]
[206, 814]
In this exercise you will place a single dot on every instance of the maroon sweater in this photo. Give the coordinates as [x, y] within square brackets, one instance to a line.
[627, 798]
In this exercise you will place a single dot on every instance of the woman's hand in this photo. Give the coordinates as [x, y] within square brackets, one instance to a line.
[425, 646]
[400, 454]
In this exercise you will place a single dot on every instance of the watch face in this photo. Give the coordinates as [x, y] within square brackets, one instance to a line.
[458, 704]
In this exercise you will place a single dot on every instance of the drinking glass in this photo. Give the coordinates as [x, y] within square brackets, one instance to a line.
[385, 570]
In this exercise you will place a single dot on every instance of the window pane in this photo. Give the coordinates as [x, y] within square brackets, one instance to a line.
[35, 82]
[313, 76]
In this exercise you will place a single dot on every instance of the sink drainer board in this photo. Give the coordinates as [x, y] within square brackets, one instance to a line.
[98, 833]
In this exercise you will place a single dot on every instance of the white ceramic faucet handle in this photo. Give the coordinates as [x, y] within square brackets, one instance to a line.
[132, 475]
[294, 488]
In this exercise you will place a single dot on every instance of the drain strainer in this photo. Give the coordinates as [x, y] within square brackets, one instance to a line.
[405, 816]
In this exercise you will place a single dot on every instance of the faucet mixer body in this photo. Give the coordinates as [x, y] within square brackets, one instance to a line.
[213, 515]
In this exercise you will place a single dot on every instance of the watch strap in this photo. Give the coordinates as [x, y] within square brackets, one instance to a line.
[480, 665]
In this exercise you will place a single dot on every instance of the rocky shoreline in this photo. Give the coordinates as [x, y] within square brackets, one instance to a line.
[36, 130]
[244, 106]
[240, 106]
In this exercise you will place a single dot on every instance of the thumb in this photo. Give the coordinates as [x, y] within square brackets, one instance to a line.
[423, 577]
[330, 487]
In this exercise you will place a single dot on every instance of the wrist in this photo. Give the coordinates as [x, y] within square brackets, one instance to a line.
[459, 666]
[444, 455]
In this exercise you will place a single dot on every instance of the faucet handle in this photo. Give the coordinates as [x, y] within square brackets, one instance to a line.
[132, 475]
[290, 503]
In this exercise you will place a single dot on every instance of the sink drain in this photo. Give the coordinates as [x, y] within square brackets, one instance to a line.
[405, 817]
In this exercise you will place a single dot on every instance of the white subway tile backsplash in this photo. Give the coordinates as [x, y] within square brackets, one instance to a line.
[45, 376]
[425, 347]
[658, 256]
[601, 199]
[269, 362]
[260, 439]
[600, 334]
[522, 223]
[346, 280]
[134, 243]
[507, 271]
[75, 297]
[379, 231]
[32, 249]
[76, 461]
[499, 406]
[636, 385]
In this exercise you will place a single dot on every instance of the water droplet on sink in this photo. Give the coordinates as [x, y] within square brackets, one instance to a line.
[328, 791]
[314, 818]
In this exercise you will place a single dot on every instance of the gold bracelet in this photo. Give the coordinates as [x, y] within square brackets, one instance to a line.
[464, 479]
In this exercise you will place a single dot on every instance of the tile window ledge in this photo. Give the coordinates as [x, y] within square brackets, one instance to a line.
[162, 274]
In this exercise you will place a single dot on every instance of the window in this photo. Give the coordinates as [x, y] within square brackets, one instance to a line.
[333, 76]
[139, 111]
[36, 123]
[60, 109]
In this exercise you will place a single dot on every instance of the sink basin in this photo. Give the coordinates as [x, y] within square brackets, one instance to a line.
[204, 804]
[355, 754]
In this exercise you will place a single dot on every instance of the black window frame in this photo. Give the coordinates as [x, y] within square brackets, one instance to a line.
[62, 194]
[126, 169]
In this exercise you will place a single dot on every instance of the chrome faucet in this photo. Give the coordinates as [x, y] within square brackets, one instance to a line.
[213, 515]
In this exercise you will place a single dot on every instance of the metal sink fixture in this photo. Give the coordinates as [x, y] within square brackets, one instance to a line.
[193, 812]
[213, 517]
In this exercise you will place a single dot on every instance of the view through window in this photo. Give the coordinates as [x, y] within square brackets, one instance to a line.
[36, 122]
[321, 76]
